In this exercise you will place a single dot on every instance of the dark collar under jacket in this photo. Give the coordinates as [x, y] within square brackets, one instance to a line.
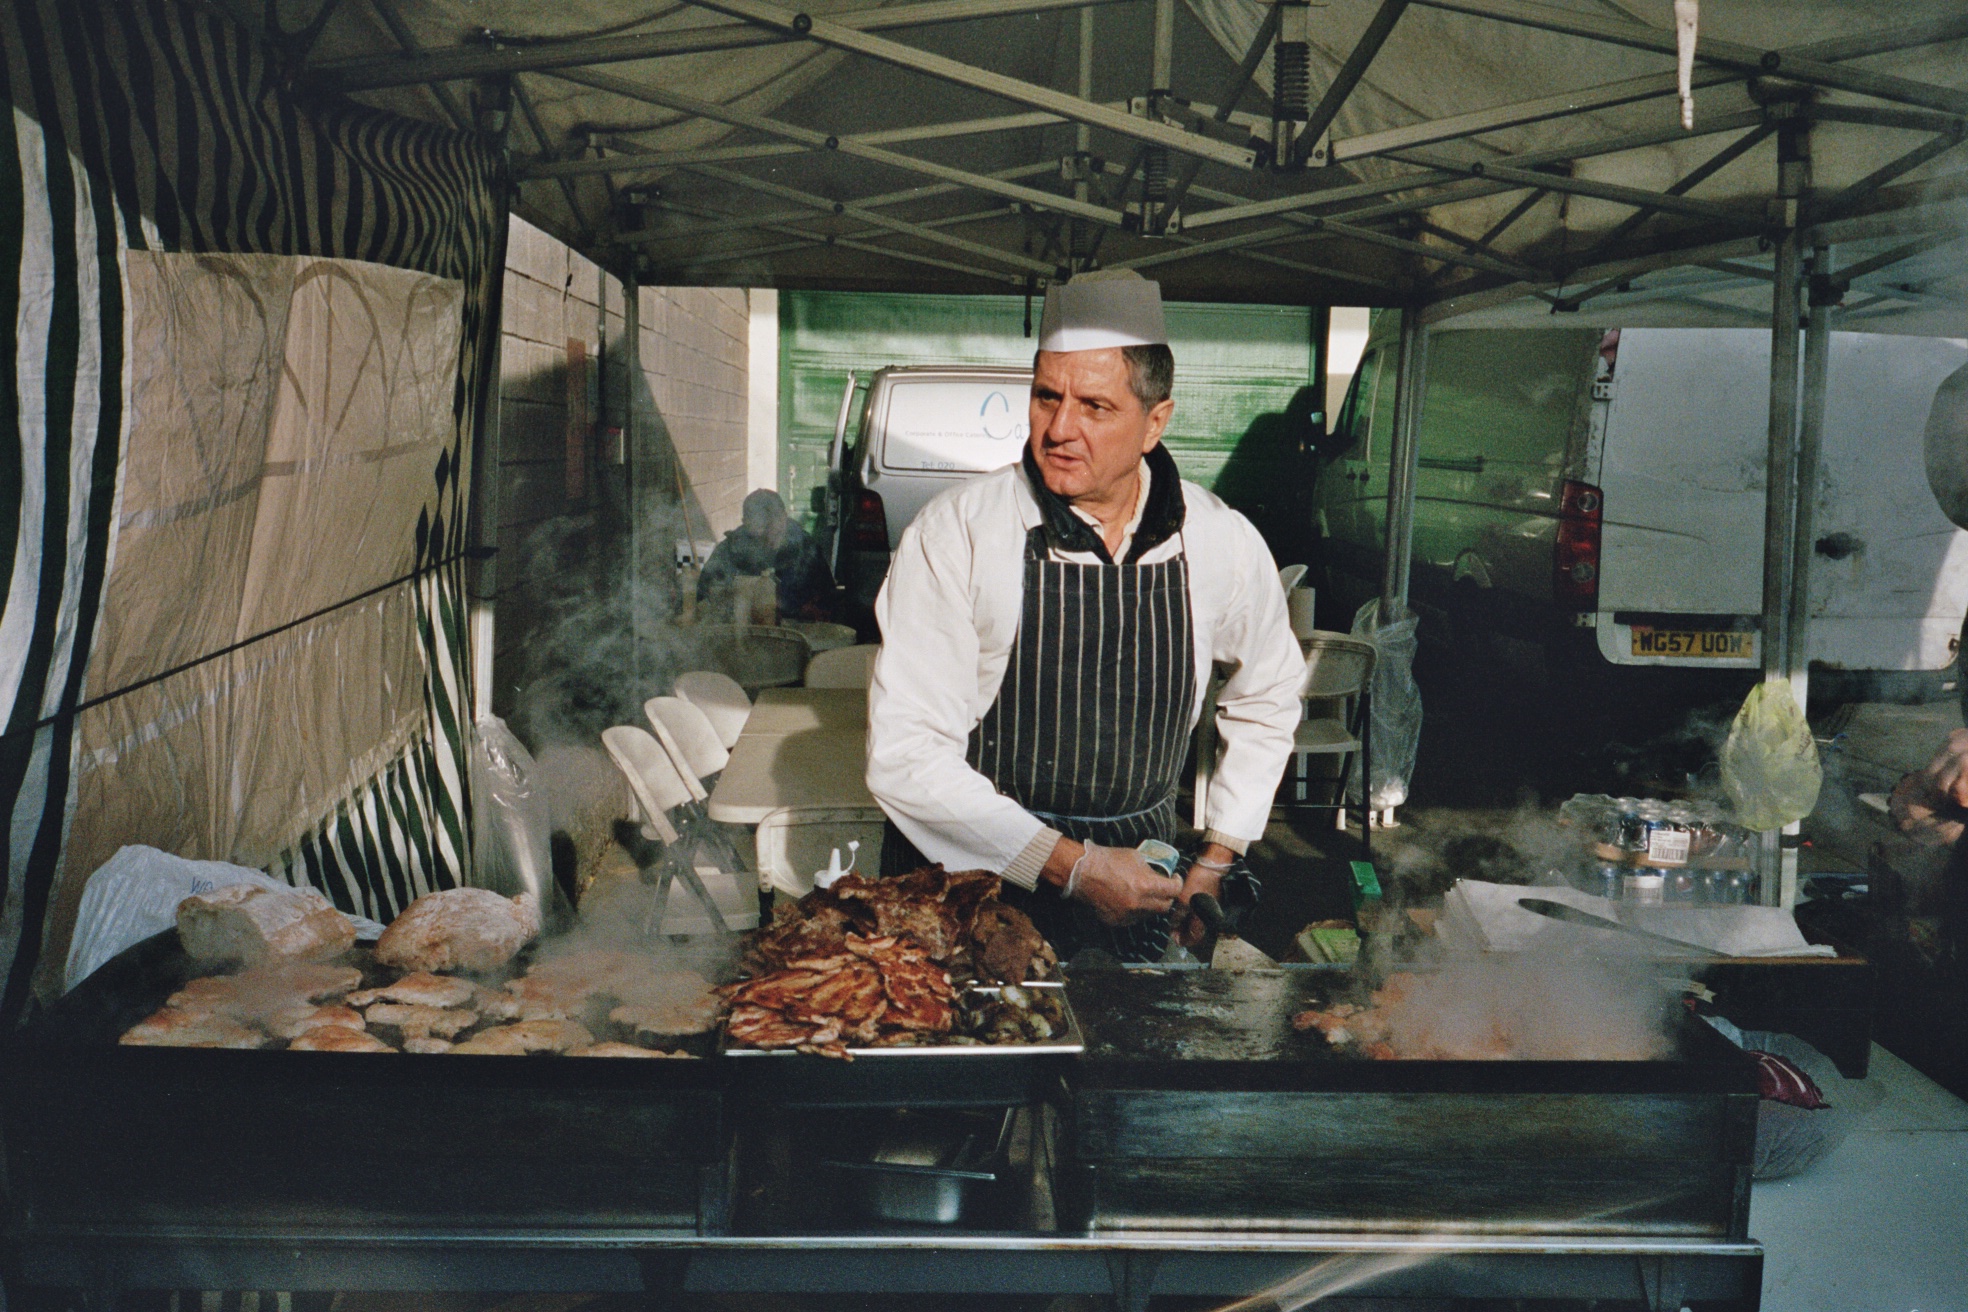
[1161, 519]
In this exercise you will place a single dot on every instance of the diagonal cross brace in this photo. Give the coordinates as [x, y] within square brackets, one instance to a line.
[847, 146]
[841, 37]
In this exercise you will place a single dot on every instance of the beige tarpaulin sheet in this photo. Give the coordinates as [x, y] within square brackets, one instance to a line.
[286, 414]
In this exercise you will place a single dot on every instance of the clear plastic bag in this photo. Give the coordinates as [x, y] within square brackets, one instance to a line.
[1396, 707]
[135, 894]
[1770, 766]
[512, 819]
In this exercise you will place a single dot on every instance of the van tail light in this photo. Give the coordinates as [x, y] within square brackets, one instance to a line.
[1581, 512]
[867, 523]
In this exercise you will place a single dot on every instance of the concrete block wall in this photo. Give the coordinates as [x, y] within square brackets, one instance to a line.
[696, 345]
[586, 526]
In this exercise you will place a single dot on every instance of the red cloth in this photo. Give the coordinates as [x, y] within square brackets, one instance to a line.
[1781, 1080]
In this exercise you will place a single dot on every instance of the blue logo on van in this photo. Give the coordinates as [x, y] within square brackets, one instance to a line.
[998, 421]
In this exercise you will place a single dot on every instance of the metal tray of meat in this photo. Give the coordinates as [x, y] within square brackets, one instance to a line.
[1070, 1042]
[919, 1075]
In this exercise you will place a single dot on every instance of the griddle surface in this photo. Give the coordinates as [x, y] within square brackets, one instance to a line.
[1202, 1015]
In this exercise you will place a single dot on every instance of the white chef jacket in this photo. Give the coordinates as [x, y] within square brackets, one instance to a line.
[949, 614]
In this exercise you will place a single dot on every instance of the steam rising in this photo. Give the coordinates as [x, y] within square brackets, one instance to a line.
[1518, 1006]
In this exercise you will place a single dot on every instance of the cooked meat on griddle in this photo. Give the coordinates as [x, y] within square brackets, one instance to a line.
[1005, 944]
[292, 1022]
[878, 989]
[179, 1027]
[583, 985]
[261, 990]
[874, 961]
[337, 1038]
[956, 919]
[459, 929]
[528, 1036]
[494, 1004]
[427, 1046]
[419, 988]
[814, 927]
[761, 1027]
[621, 1050]
[689, 1013]
[422, 1022]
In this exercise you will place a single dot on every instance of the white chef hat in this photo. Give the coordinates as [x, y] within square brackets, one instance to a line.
[1109, 307]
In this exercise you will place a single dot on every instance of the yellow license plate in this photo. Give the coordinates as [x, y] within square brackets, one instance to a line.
[1695, 644]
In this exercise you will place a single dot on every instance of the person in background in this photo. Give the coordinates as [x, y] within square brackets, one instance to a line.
[1930, 806]
[767, 539]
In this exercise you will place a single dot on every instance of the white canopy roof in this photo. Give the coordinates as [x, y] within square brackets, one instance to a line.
[1477, 151]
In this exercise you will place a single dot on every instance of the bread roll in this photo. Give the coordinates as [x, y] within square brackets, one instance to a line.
[459, 929]
[244, 922]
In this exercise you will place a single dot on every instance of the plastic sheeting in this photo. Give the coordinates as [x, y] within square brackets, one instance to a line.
[512, 820]
[1396, 709]
[136, 895]
[284, 420]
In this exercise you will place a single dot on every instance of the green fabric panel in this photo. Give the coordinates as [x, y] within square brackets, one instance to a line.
[1234, 366]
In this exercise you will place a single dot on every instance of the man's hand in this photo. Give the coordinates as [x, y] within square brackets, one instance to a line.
[1119, 886]
[1201, 878]
[1931, 805]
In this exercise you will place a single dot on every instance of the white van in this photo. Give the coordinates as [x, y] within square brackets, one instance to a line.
[920, 429]
[1597, 494]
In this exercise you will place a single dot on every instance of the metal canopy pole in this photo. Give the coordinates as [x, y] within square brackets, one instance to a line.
[494, 120]
[1777, 863]
[1409, 371]
[1810, 442]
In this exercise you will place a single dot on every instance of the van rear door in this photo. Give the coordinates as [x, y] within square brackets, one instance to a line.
[1685, 448]
[1682, 471]
[1889, 572]
[934, 431]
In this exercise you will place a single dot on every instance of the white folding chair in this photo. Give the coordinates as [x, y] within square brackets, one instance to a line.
[796, 841]
[693, 746]
[844, 667]
[664, 797]
[689, 734]
[1338, 676]
[722, 700]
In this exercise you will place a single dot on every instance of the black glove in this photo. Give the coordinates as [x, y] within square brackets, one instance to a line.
[1240, 890]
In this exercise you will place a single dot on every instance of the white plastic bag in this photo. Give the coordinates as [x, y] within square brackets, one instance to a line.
[1396, 727]
[1770, 766]
[512, 819]
[135, 894]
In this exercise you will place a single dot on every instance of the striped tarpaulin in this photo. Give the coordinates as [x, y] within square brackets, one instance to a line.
[163, 127]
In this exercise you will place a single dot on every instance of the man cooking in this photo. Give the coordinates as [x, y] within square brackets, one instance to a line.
[1048, 634]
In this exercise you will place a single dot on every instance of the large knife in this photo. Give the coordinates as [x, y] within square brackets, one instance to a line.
[1574, 916]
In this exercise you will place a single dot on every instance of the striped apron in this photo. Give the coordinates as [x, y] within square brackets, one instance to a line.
[1090, 726]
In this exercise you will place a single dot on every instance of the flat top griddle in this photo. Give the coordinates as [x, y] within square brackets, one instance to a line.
[80, 1031]
[1202, 1029]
